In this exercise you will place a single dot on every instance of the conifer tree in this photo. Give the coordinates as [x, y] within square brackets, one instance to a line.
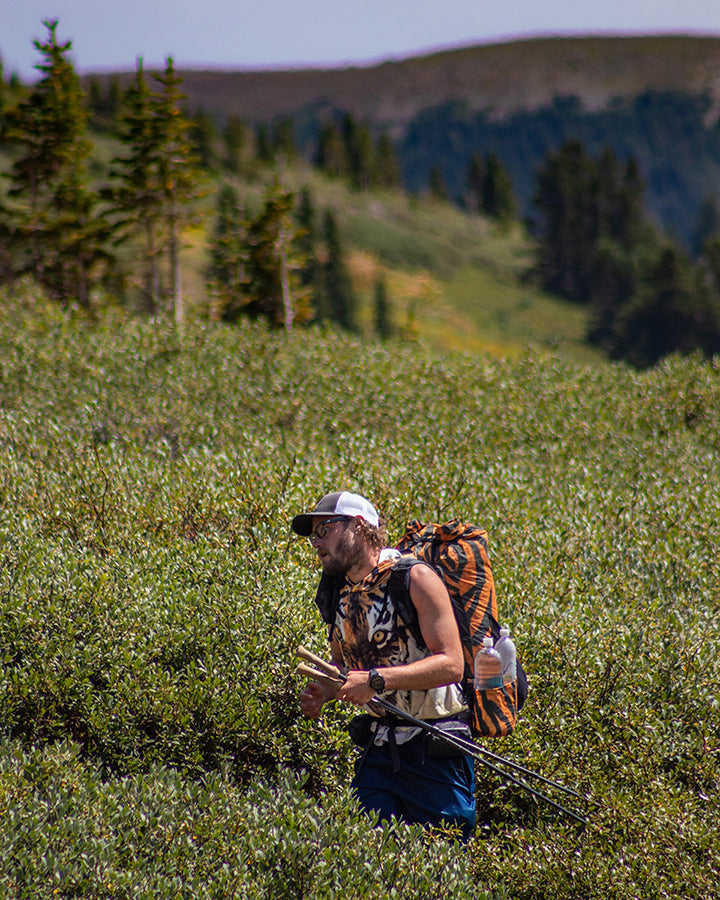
[383, 318]
[179, 175]
[136, 194]
[283, 139]
[565, 199]
[474, 184]
[228, 254]
[339, 290]
[273, 262]
[235, 140]
[203, 137]
[359, 152]
[387, 168]
[331, 157]
[498, 200]
[52, 229]
[311, 275]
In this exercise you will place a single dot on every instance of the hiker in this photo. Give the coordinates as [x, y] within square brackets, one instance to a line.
[399, 773]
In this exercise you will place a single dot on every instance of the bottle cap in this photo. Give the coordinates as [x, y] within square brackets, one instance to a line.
[505, 631]
[487, 641]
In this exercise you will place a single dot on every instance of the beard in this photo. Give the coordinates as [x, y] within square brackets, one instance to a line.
[348, 552]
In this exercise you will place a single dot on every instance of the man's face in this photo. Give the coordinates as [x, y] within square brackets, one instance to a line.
[339, 549]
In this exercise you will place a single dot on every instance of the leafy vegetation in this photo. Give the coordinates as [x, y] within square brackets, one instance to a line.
[152, 598]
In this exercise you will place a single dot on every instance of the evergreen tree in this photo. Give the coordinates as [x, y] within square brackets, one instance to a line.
[228, 255]
[51, 226]
[178, 172]
[387, 168]
[339, 290]
[359, 152]
[263, 144]
[498, 200]
[566, 232]
[631, 226]
[331, 157]
[663, 316]
[136, 194]
[311, 274]
[383, 318]
[474, 184]
[283, 139]
[235, 139]
[203, 137]
[273, 263]
[708, 224]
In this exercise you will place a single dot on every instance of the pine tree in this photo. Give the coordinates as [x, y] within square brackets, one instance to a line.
[52, 229]
[273, 263]
[235, 140]
[498, 200]
[136, 196]
[564, 197]
[283, 139]
[331, 157]
[387, 168]
[228, 255]
[311, 274]
[474, 184]
[359, 152]
[383, 319]
[203, 136]
[661, 318]
[179, 175]
[339, 290]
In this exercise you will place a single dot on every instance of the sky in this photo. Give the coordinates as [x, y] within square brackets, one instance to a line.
[109, 35]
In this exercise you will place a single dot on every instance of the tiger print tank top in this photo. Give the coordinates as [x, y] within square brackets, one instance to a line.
[372, 634]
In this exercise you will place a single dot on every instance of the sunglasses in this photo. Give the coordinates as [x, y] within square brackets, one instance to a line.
[321, 529]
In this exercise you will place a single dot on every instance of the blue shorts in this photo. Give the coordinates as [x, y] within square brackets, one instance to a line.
[425, 790]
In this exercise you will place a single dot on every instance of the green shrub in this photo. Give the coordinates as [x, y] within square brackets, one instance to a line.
[152, 597]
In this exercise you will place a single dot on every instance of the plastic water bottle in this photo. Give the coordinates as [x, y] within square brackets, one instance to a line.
[506, 648]
[488, 667]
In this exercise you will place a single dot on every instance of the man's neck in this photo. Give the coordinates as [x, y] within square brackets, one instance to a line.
[364, 566]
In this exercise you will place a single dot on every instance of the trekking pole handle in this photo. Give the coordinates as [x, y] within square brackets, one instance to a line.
[322, 677]
[326, 667]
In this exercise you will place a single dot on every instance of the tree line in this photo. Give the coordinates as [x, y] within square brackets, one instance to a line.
[284, 261]
[595, 245]
[79, 237]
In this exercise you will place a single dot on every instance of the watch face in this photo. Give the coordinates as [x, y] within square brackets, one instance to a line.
[377, 682]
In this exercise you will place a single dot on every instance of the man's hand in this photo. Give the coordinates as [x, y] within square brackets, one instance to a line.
[314, 696]
[356, 688]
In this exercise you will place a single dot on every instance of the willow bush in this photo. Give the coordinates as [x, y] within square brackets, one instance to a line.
[152, 597]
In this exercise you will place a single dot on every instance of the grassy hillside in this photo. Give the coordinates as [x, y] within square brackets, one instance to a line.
[152, 597]
[455, 281]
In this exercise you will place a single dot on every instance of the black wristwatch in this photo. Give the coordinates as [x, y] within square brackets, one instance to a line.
[376, 681]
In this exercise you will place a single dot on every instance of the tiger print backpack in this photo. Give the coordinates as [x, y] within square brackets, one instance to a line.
[459, 554]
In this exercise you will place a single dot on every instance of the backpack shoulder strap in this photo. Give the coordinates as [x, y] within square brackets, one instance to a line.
[326, 598]
[399, 588]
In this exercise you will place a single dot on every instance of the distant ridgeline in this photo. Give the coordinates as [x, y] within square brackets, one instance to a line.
[652, 98]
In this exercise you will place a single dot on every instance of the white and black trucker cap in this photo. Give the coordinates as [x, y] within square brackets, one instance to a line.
[341, 503]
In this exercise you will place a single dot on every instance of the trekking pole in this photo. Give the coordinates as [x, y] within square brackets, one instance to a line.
[333, 674]
[330, 674]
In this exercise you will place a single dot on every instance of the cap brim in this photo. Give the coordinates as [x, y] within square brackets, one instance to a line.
[302, 524]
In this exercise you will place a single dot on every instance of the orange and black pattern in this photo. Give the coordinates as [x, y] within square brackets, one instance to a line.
[459, 553]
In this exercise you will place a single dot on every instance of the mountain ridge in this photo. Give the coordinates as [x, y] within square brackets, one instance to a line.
[596, 69]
